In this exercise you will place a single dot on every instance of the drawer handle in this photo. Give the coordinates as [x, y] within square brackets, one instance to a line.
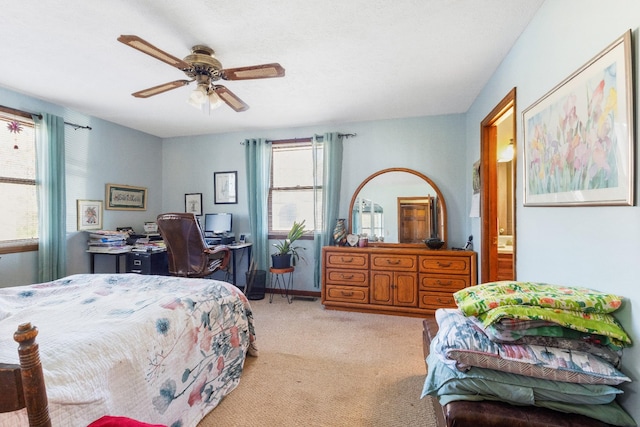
[441, 283]
[444, 301]
[394, 262]
[346, 294]
[346, 260]
[347, 277]
[444, 264]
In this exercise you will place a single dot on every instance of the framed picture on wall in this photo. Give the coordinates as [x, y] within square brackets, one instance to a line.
[126, 197]
[89, 214]
[193, 203]
[225, 189]
[578, 138]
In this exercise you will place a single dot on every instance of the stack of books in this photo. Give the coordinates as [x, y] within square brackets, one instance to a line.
[106, 241]
[153, 246]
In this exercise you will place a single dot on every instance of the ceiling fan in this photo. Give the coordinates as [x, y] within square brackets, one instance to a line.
[202, 67]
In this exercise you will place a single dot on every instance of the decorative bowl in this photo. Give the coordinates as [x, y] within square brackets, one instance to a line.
[434, 243]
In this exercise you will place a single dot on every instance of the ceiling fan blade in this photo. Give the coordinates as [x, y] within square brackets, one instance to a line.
[146, 47]
[146, 93]
[231, 99]
[264, 71]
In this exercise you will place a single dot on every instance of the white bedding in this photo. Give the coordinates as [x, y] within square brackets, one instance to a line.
[157, 349]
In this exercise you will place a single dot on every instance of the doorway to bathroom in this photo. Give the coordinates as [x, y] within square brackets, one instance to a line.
[497, 191]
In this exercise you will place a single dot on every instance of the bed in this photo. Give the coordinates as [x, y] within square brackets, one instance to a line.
[157, 349]
[521, 353]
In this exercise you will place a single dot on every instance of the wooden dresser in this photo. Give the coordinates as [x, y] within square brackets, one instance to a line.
[409, 281]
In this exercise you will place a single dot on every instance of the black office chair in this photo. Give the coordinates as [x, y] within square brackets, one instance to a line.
[188, 254]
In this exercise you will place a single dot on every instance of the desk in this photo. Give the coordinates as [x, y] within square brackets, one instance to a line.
[116, 254]
[234, 249]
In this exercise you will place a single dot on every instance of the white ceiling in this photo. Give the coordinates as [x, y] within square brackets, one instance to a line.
[345, 60]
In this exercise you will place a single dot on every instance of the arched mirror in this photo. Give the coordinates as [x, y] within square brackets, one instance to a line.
[398, 206]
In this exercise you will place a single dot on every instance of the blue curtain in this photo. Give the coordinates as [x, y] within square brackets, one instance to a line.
[52, 214]
[258, 165]
[332, 179]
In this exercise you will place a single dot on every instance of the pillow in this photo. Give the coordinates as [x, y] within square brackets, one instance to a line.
[592, 323]
[482, 298]
[512, 388]
[462, 344]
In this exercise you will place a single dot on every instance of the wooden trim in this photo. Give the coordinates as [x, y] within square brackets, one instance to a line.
[488, 186]
[16, 246]
[20, 113]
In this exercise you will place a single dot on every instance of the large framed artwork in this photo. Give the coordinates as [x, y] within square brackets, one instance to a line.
[126, 197]
[225, 189]
[89, 214]
[578, 138]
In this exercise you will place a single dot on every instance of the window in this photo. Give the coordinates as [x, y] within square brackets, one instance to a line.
[292, 196]
[19, 209]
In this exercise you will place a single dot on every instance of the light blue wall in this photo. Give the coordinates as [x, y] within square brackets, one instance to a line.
[596, 247]
[106, 154]
[431, 145]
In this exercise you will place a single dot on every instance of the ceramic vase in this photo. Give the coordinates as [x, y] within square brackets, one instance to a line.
[340, 233]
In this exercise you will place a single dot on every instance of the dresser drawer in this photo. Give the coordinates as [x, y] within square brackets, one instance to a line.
[347, 260]
[449, 265]
[394, 262]
[347, 277]
[347, 294]
[443, 283]
[435, 300]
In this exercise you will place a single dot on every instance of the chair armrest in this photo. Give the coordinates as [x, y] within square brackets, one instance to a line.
[220, 252]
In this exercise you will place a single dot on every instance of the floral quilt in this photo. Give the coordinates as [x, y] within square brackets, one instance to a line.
[162, 350]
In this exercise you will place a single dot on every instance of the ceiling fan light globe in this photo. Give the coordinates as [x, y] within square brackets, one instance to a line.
[198, 97]
[214, 101]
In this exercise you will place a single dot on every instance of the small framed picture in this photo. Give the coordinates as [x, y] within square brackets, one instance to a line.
[89, 214]
[193, 203]
[225, 189]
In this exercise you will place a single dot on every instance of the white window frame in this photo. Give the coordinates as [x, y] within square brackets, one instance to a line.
[317, 220]
[18, 245]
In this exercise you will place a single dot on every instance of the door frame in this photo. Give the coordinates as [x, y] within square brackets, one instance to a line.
[489, 184]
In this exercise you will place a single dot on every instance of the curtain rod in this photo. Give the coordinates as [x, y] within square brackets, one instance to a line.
[306, 139]
[28, 116]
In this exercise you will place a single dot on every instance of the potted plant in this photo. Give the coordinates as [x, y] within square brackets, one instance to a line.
[287, 253]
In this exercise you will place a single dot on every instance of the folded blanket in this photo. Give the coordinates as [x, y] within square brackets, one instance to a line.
[476, 300]
[556, 336]
[592, 323]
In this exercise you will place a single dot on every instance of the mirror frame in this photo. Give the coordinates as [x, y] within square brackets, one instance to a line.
[443, 206]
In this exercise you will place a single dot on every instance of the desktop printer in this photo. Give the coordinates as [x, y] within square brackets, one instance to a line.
[219, 239]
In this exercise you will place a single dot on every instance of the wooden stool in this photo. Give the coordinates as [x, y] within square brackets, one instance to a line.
[278, 281]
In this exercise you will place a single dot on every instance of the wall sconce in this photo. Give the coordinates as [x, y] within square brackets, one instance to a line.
[507, 154]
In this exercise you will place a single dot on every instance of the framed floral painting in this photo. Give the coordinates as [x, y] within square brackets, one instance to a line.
[578, 138]
[89, 214]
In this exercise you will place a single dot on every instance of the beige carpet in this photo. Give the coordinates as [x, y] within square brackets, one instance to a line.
[320, 367]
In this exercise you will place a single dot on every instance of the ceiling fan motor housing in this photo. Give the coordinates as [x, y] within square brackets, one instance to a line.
[203, 63]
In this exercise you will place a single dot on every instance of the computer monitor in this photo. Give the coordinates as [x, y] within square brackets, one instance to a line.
[217, 223]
